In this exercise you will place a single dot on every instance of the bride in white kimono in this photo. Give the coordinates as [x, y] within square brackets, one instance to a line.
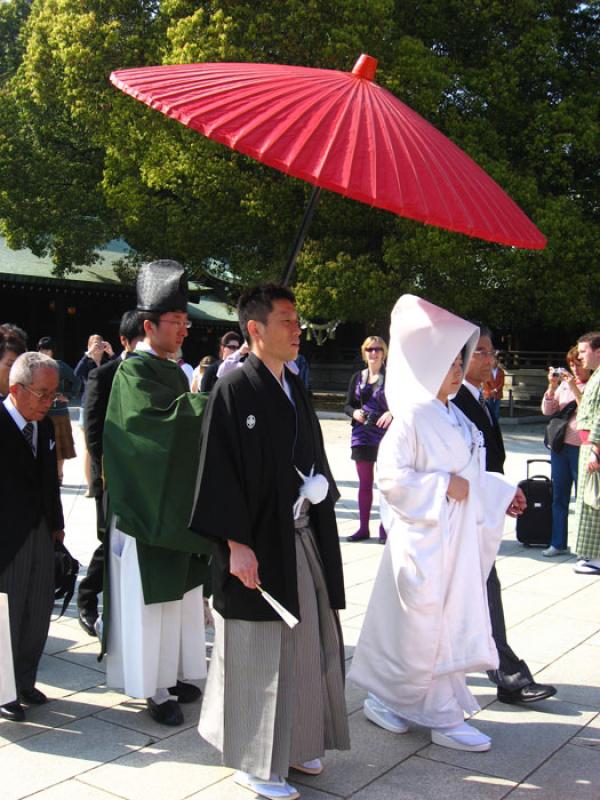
[427, 623]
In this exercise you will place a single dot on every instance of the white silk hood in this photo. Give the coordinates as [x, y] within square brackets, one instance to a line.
[424, 341]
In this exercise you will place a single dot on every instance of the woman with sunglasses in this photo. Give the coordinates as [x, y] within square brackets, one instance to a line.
[367, 407]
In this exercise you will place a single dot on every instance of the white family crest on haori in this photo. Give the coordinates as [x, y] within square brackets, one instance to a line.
[250, 421]
[432, 577]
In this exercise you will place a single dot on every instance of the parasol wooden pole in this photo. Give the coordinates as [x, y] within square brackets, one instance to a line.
[301, 235]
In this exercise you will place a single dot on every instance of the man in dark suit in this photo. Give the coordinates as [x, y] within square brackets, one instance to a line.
[98, 389]
[513, 678]
[31, 518]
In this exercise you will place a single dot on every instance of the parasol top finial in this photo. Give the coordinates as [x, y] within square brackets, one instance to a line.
[365, 67]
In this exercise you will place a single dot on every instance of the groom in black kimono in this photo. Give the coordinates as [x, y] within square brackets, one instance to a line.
[274, 696]
[514, 680]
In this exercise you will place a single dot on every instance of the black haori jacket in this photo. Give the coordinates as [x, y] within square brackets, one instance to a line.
[247, 485]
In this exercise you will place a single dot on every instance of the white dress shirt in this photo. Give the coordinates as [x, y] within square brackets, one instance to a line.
[20, 420]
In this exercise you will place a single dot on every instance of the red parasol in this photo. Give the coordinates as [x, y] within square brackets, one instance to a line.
[338, 131]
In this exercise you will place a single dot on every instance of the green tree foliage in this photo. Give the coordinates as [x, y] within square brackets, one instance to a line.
[12, 17]
[516, 84]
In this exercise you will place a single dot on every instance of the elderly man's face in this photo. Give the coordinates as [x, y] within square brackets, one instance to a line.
[479, 368]
[34, 401]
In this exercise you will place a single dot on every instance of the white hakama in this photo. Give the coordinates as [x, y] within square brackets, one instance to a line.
[150, 647]
[427, 623]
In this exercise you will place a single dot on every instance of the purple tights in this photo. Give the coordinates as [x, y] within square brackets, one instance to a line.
[366, 472]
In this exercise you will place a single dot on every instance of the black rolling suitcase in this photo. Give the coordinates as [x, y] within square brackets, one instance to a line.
[534, 526]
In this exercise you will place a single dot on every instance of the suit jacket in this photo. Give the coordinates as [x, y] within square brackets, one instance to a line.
[99, 384]
[29, 489]
[86, 366]
[494, 445]
[209, 376]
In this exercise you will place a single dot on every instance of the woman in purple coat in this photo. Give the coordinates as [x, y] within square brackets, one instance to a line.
[367, 407]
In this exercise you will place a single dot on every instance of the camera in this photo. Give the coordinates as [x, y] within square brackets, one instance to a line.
[371, 418]
[558, 373]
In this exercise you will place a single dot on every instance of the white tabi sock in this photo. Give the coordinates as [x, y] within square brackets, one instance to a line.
[161, 696]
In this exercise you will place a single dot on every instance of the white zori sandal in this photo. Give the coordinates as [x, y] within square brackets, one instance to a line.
[462, 737]
[314, 767]
[274, 789]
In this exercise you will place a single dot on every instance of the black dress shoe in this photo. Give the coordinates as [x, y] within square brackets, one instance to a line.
[87, 620]
[528, 694]
[13, 711]
[359, 536]
[167, 713]
[33, 697]
[185, 692]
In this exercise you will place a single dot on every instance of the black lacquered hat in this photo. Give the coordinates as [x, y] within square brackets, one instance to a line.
[161, 287]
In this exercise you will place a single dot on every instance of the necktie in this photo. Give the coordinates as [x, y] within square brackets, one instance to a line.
[483, 404]
[28, 434]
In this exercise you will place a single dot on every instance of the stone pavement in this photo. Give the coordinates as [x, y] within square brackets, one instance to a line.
[93, 743]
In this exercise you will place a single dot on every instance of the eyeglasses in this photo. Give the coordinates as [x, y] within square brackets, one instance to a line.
[480, 353]
[373, 349]
[231, 346]
[46, 397]
[187, 324]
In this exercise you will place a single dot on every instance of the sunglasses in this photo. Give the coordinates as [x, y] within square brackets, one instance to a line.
[373, 349]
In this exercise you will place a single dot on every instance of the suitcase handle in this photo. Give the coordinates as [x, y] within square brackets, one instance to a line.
[537, 461]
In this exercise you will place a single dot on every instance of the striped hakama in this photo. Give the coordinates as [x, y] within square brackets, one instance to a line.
[28, 580]
[275, 695]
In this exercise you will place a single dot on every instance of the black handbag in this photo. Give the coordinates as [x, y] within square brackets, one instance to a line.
[554, 436]
[66, 569]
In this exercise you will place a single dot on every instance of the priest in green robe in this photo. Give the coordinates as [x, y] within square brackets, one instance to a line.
[156, 566]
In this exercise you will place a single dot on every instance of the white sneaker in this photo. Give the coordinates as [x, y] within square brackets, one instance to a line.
[552, 551]
[378, 713]
[462, 737]
[586, 567]
[314, 767]
[274, 789]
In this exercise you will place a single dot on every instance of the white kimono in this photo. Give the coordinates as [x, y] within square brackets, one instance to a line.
[427, 623]
[150, 647]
